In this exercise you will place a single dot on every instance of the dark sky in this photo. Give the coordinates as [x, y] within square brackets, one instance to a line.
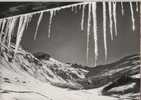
[68, 42]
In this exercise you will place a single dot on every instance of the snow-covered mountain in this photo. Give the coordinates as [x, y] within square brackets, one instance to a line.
[40, 77]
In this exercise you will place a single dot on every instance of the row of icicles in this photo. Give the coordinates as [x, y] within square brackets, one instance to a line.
[7, 25]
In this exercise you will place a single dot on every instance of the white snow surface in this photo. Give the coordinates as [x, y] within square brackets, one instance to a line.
[21, 85]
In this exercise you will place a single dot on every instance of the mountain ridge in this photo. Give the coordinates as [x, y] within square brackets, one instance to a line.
[70, 76]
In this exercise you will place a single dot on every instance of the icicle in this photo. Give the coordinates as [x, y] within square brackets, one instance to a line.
[79, 7]
[104, 29]
[122, 7]
[110, 19]
[88, 30]
[1, 29]
[50, 22]
[75, 9]
[3, 34]
[95, 31]
[11, 29]
[137, 8]
[83, 15]
[3, 25]
[29, 18]
[72, 8]
[6, 26]
[54, 12]
[38, 23]
[115, 17]
[22, 25]
[5, 30]
[19, 33]
[132, 16]
[0, 23]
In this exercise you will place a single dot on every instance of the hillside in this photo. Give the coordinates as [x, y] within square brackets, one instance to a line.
[40, 77]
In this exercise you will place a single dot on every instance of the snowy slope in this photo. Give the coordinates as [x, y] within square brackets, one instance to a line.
[28, 78]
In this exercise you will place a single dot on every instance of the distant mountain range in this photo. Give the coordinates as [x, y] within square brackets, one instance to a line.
[39, 74]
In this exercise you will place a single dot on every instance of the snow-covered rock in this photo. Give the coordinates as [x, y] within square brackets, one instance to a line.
[28, 78]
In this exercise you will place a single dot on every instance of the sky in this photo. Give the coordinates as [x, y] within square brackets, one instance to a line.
[68, 42]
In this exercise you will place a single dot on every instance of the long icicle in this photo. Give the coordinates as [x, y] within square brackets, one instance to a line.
[72, 8]
[104, 29]
[8, 21]
[3, 25]
[50, 22]
[110, 20]
[88, 31]
[0, 23]
[19, 33]
[83, 16]
[6, 29]
[75, 9]
[132, 16]
[137, 7]
[11, 29]
[115, 17]
[5, 32]
[122, 8]
[38, 23]
[22, 25]
[80, 7]
[95, 31]
[29, 20]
